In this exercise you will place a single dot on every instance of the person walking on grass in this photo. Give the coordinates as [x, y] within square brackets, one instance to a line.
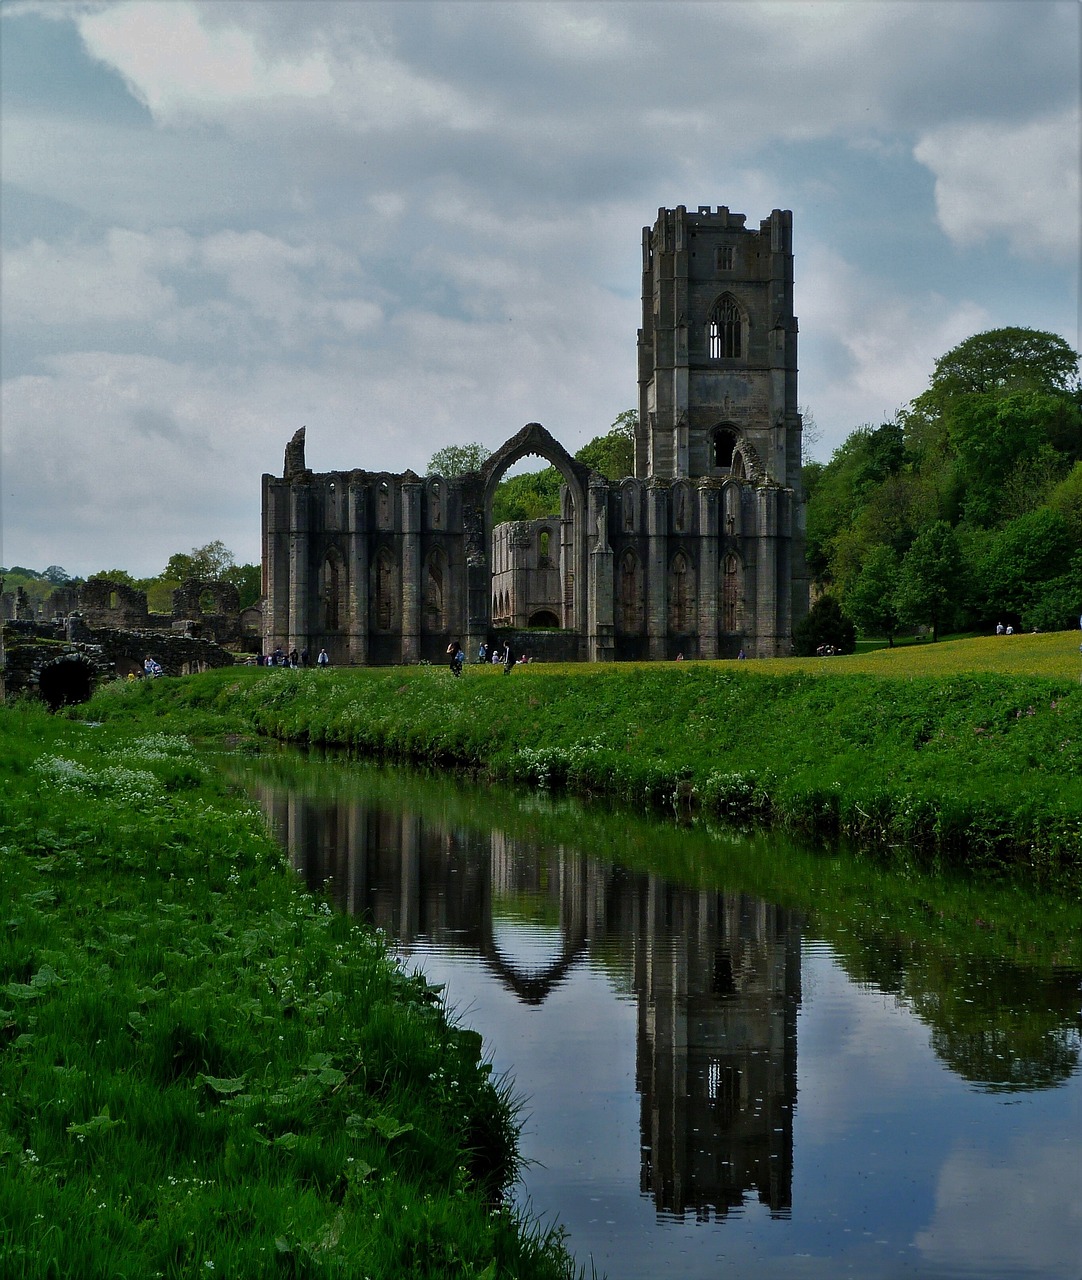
[454, 650]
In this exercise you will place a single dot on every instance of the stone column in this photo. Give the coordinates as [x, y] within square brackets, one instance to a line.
[709, 516]
[569, 524]
[766, 584]
[411, 572]
[784, 561]
[601, 628]
[657, 569]
[357, 570]
[299, 567]
[275, 563]
[518, 546]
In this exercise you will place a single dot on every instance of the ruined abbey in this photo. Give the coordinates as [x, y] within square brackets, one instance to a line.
[699, 554]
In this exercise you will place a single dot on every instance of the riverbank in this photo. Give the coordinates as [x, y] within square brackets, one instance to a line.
[205, 1070]
[973, 769]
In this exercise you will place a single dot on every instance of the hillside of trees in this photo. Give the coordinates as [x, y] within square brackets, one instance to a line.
[965, 511]
[212, 563]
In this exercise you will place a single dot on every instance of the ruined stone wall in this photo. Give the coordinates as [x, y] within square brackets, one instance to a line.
[30, 646]
[104, 603]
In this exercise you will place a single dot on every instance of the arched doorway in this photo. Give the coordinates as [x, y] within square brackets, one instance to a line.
[570, 553]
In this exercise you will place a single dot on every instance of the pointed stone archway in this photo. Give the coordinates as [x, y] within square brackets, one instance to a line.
[478, 492]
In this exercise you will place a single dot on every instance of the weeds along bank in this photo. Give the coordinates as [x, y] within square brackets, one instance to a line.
[205, 1071]
[976, 770]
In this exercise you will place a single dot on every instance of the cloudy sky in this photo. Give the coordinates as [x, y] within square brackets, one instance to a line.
[410, 224]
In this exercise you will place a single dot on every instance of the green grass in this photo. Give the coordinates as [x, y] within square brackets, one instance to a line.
[968, 768]
[204, 1070]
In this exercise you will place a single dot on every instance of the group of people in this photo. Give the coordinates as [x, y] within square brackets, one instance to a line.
[485, 653]
[293, 659]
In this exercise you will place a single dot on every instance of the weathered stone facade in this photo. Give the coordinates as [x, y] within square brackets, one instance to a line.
[700, 554]
[526, 574]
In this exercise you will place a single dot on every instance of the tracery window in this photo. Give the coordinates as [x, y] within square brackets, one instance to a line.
[724, 336]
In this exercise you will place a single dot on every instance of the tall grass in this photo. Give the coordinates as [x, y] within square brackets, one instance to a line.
[204, 1070]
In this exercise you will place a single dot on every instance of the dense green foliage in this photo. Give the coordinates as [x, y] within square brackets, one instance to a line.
[967, 509]
[204, 1069]
[979, 771]
[825, 630]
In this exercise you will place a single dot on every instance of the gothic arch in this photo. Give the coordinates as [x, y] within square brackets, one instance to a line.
[434, 617]
[724, 439]
[683, 507]
[478, 491]
[437, 503]
[731, 593]
[332, 589]
[385, 592]
[747, 464]
[682, 611]
[629, 594]
[534, 441]
[630, 491]
[727, 329]
[732, 522]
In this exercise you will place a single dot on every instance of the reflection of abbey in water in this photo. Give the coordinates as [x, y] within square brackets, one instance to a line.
[716, 977]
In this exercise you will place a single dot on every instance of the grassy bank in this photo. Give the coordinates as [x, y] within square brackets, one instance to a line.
[975, 769]
[205, 1071]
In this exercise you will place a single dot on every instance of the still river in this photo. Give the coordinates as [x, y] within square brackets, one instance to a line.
[795, 1065]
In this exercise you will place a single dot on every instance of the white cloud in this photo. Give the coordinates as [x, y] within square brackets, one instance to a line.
[1015, 180]
[402, 224]
[171, 61]
[1037, 1190]
[876, 343]
[112, 280]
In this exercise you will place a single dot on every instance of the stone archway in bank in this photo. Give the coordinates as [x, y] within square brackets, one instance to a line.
[571, 555]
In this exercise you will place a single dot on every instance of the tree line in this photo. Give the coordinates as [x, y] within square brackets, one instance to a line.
[211, 563]
[965, 510]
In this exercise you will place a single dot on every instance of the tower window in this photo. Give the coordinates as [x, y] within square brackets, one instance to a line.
[724, 444]
[726, 258]
[723, 332]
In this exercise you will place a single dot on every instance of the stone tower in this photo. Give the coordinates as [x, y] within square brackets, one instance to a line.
[717, 349]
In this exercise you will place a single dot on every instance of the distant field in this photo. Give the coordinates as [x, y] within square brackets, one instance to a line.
[1055, 655]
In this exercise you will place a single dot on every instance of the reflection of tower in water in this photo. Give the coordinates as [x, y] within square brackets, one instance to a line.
[716, 976]
[718, 984]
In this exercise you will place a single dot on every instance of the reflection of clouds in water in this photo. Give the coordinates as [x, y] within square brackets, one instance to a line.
[861, 1049]
[1036, 1189]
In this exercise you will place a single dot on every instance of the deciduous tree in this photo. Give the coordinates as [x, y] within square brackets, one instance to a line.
[457, 459]
[931, 583]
